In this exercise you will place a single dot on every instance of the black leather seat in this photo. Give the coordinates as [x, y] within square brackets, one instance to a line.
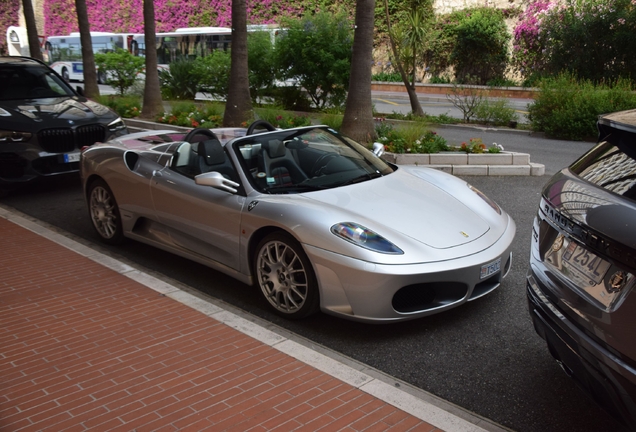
[212, 157]
[280, 164]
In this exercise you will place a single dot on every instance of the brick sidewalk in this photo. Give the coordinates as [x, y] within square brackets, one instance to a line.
[86, 348]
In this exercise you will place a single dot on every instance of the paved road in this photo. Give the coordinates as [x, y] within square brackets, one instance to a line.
[398, 102]
[483, 356]
[435, 105]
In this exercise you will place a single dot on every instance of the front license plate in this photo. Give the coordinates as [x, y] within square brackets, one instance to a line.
[490, 268]
[586, 263]
[71, 157]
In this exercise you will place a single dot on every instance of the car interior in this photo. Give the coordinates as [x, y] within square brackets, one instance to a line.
[27, 82]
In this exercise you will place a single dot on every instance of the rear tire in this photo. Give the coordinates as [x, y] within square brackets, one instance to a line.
[65, 75]
[104, 213]
[286, 277]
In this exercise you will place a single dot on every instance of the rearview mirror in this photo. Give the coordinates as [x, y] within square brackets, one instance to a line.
[80, 90]
[378, 149]
[216, 180]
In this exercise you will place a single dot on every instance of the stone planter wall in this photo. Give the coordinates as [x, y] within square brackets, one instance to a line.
[493, 164]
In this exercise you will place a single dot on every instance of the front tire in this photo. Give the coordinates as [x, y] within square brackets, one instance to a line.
[285, 276]
[65, 75]
[104, 213]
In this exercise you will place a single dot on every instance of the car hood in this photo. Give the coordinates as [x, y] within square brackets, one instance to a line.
[413, 205]
[59, 111]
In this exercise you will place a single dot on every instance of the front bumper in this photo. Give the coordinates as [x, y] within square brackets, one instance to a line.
[609, 381]
[25, 162]
[367, 292]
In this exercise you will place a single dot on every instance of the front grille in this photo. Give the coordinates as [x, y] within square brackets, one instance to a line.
[426, 296]
[64, 140]
[89, 135]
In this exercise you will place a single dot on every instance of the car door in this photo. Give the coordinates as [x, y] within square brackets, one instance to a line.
[200, 219]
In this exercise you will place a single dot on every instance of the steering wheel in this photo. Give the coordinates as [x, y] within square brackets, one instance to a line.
[321, 163]
[259, 123]
[199, 131]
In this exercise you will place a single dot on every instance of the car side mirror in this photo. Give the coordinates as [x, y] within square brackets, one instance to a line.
[378, 149]
[216, 180]
[80, 90]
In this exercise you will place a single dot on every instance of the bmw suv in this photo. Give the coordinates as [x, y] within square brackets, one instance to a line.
[580, 285]
[44, 123]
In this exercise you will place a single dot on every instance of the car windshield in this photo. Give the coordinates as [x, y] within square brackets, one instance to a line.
[307, 159]
[20, 82]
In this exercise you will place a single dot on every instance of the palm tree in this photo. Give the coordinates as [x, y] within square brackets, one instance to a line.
[416, 107]
[152, 105]
[358, 116]
[238, 108]
[32, 30]
[91, 89]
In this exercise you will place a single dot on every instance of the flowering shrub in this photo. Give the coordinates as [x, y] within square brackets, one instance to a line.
[591, 39]
[527, 44]
[403, 141]
[476, 145]
[191, 115]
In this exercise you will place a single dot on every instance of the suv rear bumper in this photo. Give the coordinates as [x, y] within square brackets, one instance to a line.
[604, 377]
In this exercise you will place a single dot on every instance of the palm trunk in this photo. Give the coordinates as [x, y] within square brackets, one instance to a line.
[358, 116]
[238, 108]
[91, 89]
[152, 105]
[32, 30]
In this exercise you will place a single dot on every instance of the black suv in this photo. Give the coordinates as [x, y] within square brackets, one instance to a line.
[44, 123]
[582, 267]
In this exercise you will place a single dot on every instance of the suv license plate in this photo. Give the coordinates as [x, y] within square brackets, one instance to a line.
[586, 263]
[490, 268]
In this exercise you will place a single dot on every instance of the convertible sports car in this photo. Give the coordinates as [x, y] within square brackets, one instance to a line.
[313, 218]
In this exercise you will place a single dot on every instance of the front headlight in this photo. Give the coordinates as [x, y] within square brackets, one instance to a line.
[14, 136]
[364, 237]
[116, 125]
[490, 202]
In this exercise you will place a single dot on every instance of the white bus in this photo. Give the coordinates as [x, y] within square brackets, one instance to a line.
[65, 52]
[190, 43]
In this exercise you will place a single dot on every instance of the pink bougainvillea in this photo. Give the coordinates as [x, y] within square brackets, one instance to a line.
[127, 15]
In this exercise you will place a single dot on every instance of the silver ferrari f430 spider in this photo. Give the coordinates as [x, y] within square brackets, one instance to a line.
[314, 219]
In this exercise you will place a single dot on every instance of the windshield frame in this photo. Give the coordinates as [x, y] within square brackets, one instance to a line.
[298, 167]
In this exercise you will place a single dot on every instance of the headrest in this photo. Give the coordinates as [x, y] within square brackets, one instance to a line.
[211, 151]
[275, 148]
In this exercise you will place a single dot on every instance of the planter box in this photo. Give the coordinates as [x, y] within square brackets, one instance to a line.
[492, 164]
[458, 158]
